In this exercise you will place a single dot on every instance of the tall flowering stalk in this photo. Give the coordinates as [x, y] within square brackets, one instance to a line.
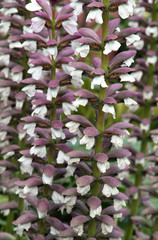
[145, 82]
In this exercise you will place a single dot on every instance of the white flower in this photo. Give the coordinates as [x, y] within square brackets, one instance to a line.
[152, 31]
[5, 120]
[30, 45]
[8, 155]
[57, 133]
[127, 62]
[94, 212]
[5, 212]
[103, 166]
[151, 60]
[137, 75]
[140, 162]
[127, 78]
[100, 81]
[70, 171]
[25, 165]
[33, 191]
[36, 72]
[4, 27]
[77, 6]
[33, 6]
[5, 71]
[106, 228]
[139, 11]
[19, 104]
[53, 50]
[77, 78]
[126, 9]
[117, 140]
[70, 25]
[89, 141]
[2, 169]
[123, 162]
[68, 107]
[8, 11]
[40, 151]
[131, 39]
[108, 190]
[29, 90]
[37, 24]
[82, 50]
[62, 157]
[111, 46]
[118, 204]
[69, 203]
[78, 229]
[27, 29]
[117, 215]
[139, 45]
[21, 227]
[57, 197]
[67, 69]
[133, 24]
[54, 231]
[4, 94]
[16, 77]
[155, 138]
[16, 44]
[72, 140]
[109, 108]
[83, 190]
[147, 95]
[4, 60]
[52, 93]
[129, 101]
[2, 135]
[40, 111]
[72, 126]
[144, 127]
[41, 214]
[73, 160]
[95, 14]
[30, 128]
[80, 101]
[47, 179]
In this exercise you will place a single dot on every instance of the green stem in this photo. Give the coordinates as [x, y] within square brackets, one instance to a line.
[100, 119]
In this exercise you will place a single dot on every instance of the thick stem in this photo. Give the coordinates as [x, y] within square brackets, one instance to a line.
[100, 118]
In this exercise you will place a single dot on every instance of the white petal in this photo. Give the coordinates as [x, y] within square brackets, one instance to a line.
[62, 157]
[111, 46]
[37, 24]
[40, 151]
[83, 190]
[94, 212]
[109, 108]
[70, 25]
[100, 81]
[131, 39]
[30, 45]
[129, 101]
[36, 72]
[29, 90]
[33, 6]
[47, 179]
[57, 197]
[52, 93]
[95, 14]
[127, 78]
